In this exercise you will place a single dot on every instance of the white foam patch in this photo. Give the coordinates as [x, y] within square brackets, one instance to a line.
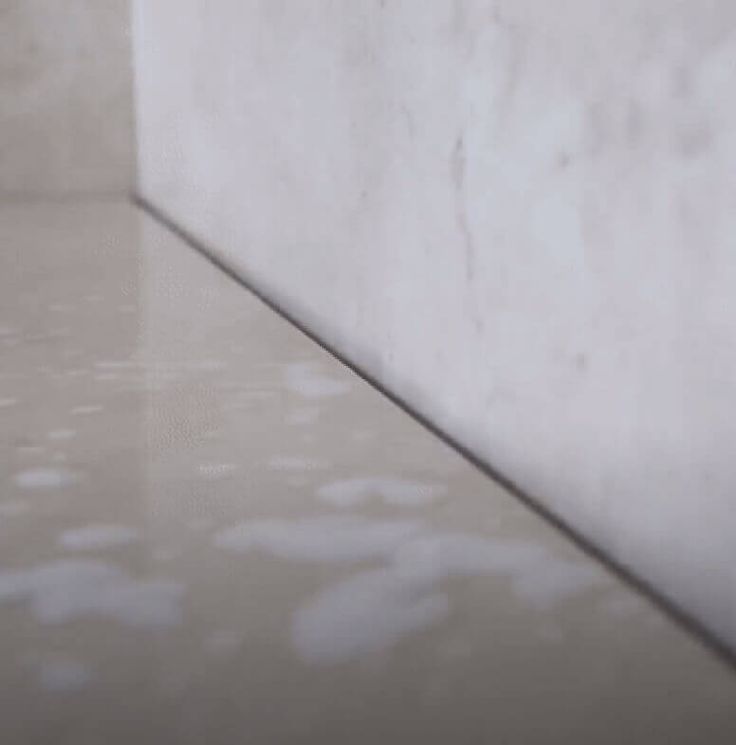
[375, 609]
[64, 674]
[329, 538]
[306, 379]
[6, 402]
[45, 478]
[537, 577]
[89, 409]
[69, 590]
[297, 463]
[217, 470]
[95, 537]
[393, 491]
[435, 557]
[362, 616]
[62, 434]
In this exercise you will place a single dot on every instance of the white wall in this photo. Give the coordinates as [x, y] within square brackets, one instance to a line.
[519, 215]
[66, 111]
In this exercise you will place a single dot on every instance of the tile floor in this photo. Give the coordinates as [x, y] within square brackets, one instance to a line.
[212, 532]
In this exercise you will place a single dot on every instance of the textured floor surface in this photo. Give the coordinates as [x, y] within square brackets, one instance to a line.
[211, 531]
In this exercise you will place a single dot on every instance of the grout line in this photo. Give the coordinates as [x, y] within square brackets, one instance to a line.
[681, 617]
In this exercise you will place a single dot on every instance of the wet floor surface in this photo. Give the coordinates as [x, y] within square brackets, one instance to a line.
[211, 531]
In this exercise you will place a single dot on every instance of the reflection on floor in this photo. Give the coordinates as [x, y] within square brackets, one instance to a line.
[211, 531]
